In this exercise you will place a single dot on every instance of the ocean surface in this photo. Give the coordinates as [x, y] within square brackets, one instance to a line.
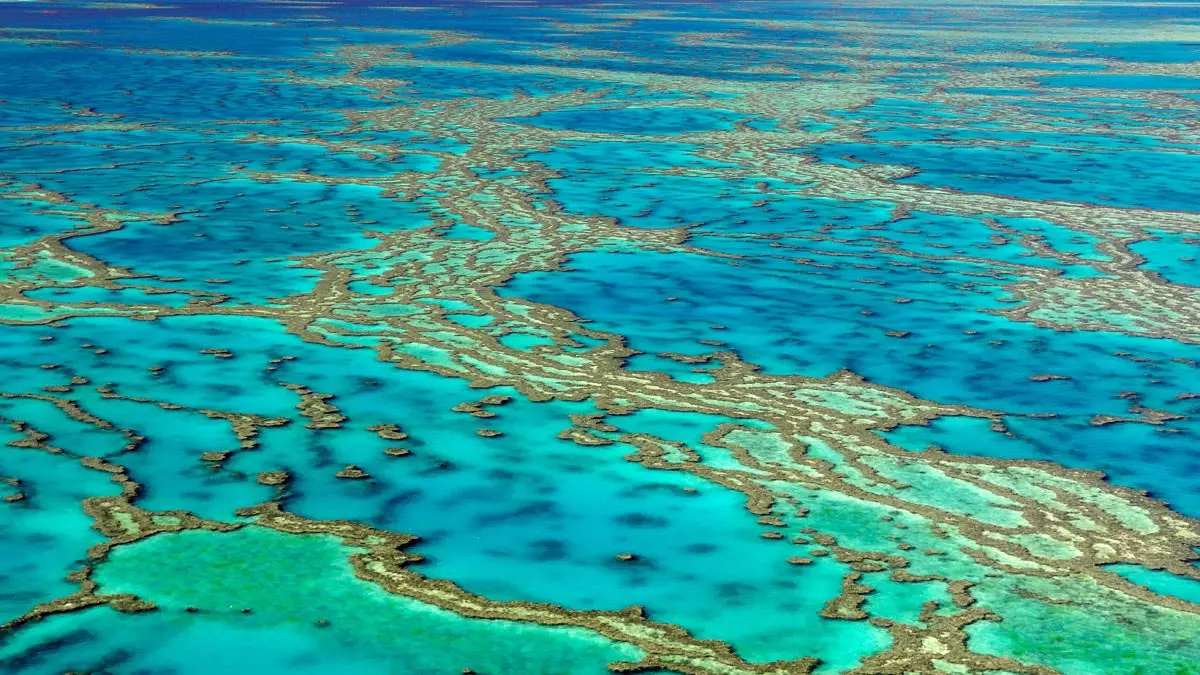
[535, 337]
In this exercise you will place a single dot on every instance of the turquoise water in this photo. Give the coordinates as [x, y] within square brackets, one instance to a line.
[1129, 178]
[290, 583]
[640, 120]
[1161, 582]
[1172, 256]
[568, 337]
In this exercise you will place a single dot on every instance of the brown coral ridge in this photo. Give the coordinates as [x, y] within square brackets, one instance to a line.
[351, 472]
[273, 478]
[388, 432]
[666, 646]
[316, 407]
[583, 437]
[848, 604]
[84, 598]
[479, 408]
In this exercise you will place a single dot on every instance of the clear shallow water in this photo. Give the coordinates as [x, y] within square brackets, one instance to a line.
[219, 575]
[715, 338]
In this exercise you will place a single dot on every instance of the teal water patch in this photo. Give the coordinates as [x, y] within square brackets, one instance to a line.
[290, 582]
[65, 432]
[1077, 640]
[684, 372]
[636, 120]
[246, 246]
[171, 457]
[28, 221]
[470, 320]
[297, 157]
[1142, 456]
[1144, 82]
[41, 268]
[902, 601]
[107, 296]
[44, 536]
[617, 156]
[1173, 255]
[524, 341]
[454, 81]
[845, 325]
[469, 232]
[1161, 582]
[1112, 141]
[889, 109]
[657, 200]
[686, 428]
